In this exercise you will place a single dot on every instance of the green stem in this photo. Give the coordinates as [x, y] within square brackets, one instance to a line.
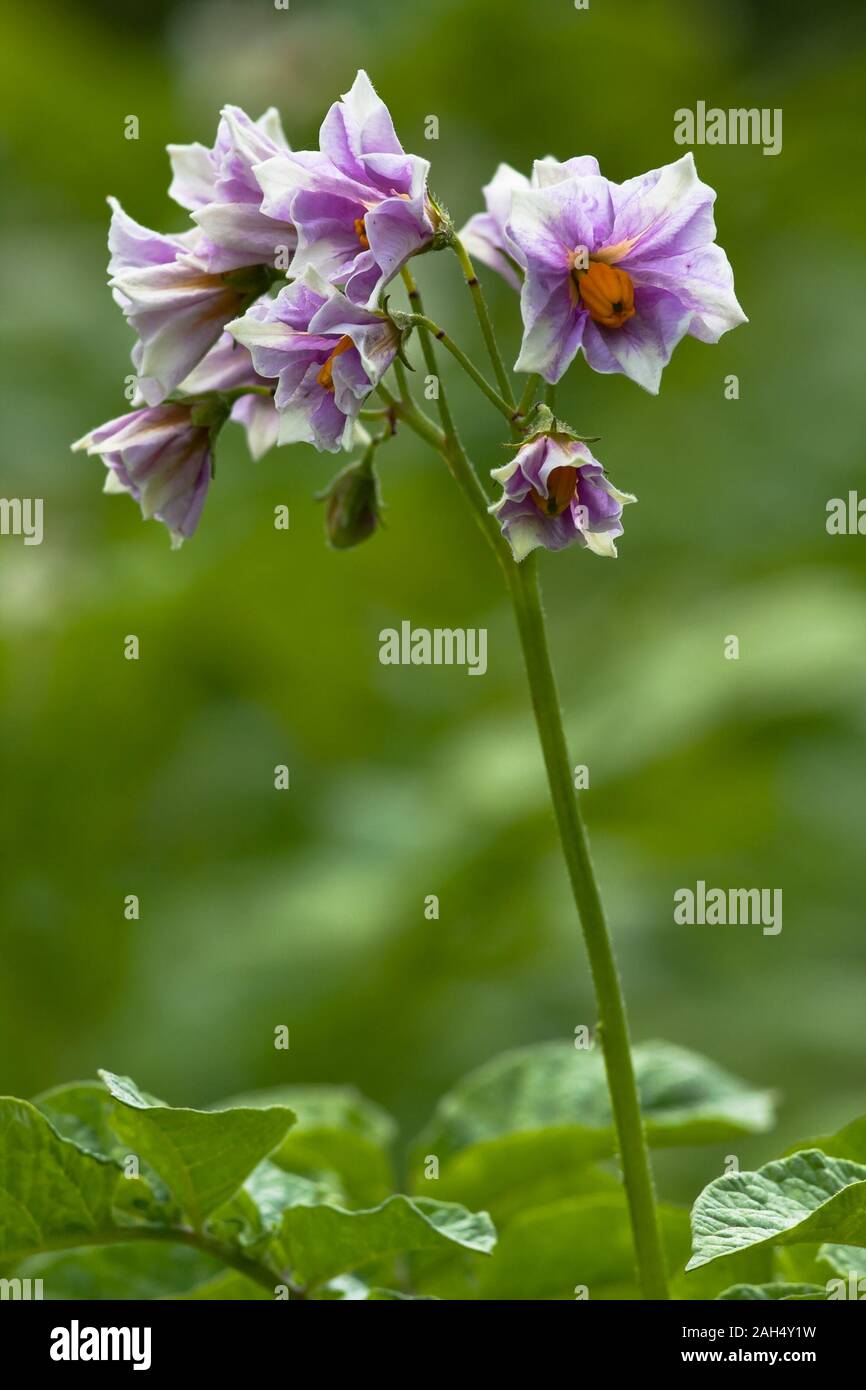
[637, 1173]
[484, 319]
[450, 448]
[453, 452]
[468, 366]
[522, 581]
[528, 393]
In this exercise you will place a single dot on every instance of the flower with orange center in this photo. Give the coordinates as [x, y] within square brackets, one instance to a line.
[607, 292]
[359, 203]
[620, 272]
[326, 354]
[555, 494]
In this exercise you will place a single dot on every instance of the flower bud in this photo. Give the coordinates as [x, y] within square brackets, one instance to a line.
[352, 504]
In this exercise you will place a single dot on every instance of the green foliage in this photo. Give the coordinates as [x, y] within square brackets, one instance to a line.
[52, 1193]
[205, 1214]
[338, 1131]
[806, 1197]
[537, 1118]
[289, 1192]
[807, 1210]
[201, 1156]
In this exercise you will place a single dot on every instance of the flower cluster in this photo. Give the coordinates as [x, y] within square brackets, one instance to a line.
[331, 227]
[269, 308]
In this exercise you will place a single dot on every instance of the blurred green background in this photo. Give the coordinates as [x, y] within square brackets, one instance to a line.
[260, 647]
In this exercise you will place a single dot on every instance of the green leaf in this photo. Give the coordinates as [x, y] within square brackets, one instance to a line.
[805, 1197]
[844, 1260]
[754, 1266]
[849, 1142]
[81, 1111]
[52, 1193]
[202, 1155]
[511, 1175]
[337, 1131]
[548, 1252]
[772, 1292]
[303, 1234]
[545, 1109]
[252, 1218]
[316, 1243]
[139, 1270]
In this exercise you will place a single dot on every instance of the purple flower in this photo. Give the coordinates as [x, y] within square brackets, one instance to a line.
[177, 307]
[220, 190]
[555, 494]
[227, 366]
[326, 354]
[620, 271]
[485, 236]
[359, 203]
[162, 455]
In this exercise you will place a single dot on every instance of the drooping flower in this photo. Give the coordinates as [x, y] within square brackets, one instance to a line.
[220, 190]
[326, 354]
[485, 236]
[163, 456]
[227, 366]
[177, 307]
[620, 271]
[555, 494]
[360, 203]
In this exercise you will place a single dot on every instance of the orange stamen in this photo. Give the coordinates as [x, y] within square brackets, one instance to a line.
[607, 292]
[561, 489]
[361, 233]
[325, 374]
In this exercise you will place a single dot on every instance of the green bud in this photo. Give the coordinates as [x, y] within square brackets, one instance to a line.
[353, 507]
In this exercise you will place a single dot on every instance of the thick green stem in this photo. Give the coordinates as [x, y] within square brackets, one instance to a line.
[652, 1270]
[484, 319]
[522, 581]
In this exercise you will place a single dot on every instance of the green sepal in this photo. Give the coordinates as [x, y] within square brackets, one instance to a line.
[541, 420]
